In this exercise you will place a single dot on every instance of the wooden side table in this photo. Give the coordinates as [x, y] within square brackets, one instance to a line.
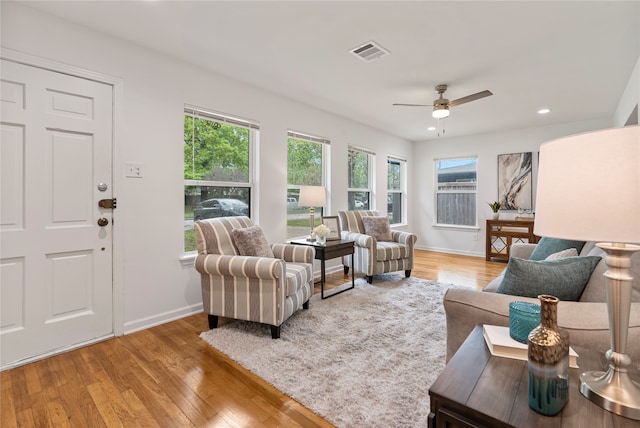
[477, 389]
[502, 233]
[330, 250]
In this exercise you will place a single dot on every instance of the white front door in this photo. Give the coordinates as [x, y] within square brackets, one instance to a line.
[55, 165]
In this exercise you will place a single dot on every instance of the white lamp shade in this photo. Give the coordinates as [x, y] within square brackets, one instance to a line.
[312, 196]
[589, 187]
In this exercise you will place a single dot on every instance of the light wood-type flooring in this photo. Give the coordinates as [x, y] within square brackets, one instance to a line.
[166, 376]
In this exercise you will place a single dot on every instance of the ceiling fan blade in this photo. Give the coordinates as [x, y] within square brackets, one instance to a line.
[413, 105]
[468, 98]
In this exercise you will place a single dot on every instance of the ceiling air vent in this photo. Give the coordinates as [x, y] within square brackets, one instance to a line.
[369, 51]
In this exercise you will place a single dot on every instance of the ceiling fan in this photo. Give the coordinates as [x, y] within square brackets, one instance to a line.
[441, 105]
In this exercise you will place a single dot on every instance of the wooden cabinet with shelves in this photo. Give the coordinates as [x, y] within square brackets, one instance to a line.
[502, 233]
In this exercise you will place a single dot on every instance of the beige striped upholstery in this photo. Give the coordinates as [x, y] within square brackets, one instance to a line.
[261, 289]
[214, 237]
[371, 256]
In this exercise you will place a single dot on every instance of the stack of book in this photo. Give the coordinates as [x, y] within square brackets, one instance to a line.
[502, 345]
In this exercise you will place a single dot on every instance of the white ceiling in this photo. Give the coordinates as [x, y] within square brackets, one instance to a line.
[574, 57]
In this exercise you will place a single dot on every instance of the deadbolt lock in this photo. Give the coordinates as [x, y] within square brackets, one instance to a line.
[108, 203]
[103, 222]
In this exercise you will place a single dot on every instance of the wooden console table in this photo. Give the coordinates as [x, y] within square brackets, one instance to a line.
[502, 233]
[476, 389]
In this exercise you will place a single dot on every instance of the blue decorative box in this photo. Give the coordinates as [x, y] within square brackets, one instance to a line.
[523, 317]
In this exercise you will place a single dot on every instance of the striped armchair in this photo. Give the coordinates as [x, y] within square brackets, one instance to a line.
[261, 289]
[372, 256]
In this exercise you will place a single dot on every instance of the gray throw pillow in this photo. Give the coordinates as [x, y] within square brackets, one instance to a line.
[569, 252]
[596, 288]
[378, 227]
[250, 241]
[564, 278]
[547, 246]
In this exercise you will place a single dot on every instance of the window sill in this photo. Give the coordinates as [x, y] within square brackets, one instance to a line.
[188, 260]
[398, 225]
[454, 227]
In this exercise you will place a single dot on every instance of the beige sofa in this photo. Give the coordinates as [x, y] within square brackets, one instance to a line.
[586, 320]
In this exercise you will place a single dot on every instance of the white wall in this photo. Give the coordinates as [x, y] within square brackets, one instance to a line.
[630, 99]
[486, 147]
[156, 286]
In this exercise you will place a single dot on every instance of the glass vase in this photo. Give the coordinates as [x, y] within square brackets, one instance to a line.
[321, 239]
[548, 357]
[523, 318]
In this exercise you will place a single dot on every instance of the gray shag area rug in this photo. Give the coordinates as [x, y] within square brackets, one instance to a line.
[364, 358]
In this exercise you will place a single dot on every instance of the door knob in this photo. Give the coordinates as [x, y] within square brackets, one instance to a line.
[103, 222]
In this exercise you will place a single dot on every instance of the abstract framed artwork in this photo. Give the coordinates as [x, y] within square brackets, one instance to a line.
[515, 180]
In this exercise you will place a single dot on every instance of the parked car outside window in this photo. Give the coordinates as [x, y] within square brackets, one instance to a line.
[220, 207]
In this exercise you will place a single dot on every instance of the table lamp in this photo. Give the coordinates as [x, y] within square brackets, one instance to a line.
[589, 190]
[312, 196]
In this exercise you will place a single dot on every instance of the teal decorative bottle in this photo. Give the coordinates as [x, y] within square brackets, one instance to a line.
[548, 355]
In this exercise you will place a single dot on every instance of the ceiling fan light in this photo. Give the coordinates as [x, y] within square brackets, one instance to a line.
[440, 111]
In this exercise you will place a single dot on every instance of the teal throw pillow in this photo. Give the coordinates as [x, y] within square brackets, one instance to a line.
[548, 246]
[564, 278]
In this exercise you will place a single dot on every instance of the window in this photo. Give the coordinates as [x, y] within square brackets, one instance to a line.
[456, 191]
[396, 189]
[218, 171]
[306, 156]
[359, 189]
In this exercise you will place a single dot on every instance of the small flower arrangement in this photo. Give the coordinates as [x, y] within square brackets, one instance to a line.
[495, 206]
[322, 230]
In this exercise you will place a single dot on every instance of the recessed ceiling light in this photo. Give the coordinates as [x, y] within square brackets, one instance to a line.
[544, 110]
[431, 128]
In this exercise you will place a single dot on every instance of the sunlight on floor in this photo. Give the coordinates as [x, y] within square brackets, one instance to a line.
[458, 279]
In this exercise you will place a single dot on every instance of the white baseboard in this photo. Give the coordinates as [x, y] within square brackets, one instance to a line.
[152, 321]
[329, 270]
[450, 251]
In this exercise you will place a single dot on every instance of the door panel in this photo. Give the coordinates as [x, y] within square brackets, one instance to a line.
[12, 296]
[69, 105]
[69, 197]
[66, 289]
[12, 93]
[55, 261]
[12, 185]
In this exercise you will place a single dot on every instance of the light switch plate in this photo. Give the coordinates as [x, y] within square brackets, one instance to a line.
[133, 169]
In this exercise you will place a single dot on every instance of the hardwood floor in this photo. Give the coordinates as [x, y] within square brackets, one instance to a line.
[166, 376]
[467, 271]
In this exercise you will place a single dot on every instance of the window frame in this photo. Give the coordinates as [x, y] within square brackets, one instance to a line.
[402, 191]
[295, 188]
[254, 133]
[437, 192]
[371, 157]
